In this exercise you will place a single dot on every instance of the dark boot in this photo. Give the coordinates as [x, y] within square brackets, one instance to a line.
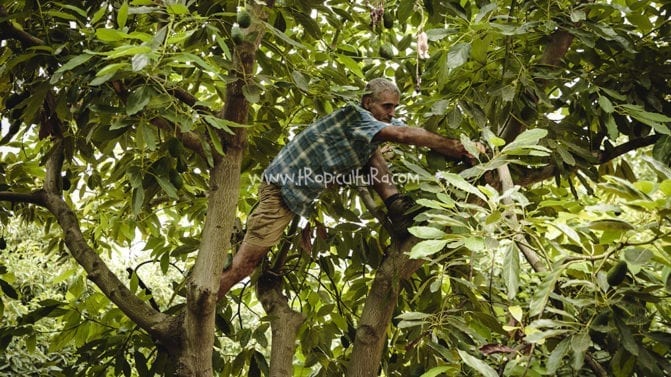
[401, 211]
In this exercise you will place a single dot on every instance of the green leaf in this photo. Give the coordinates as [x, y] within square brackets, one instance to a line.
[300, 80]
[436, 371]
[284, 37]
[492, 139]
[138, 99]
[626, 336]
[611, 127]
[413, 316]
[167, 186]
[477, 364]
[517, 312]
[72, 63]
[578, 15]
[542, 293]
[540, 337]
[98, 15]
[8, 290]
[429, 203]
[460, 183]
[557, 355]
[138, 200]
[177, 9]
[216, 141]
[351, 65]
[221, 123]
[122, 15]
[610, 224]
[566, 156]
[426, 248]
[110, 35]
[580, 342]
[458, 55]
[128, 50]
[110, 69]
[572, 235]
[605, 104]
[654, 120]
[528, 139]
[101, 79]
[511, 270]
[427, 232]
[251, 93]
[637, 255]
[475, 244]
[139, 61]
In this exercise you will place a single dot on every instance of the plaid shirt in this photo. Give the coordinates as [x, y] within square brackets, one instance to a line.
[334, 146]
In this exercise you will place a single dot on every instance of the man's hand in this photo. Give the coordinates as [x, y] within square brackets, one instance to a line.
[455, 150]
[450, 148]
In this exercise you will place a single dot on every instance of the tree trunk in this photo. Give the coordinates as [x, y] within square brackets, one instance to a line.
[199, 321]
[284, 323]
[379, 308]
[199, 326]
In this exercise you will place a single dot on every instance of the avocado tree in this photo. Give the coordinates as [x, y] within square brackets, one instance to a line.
[149, 123]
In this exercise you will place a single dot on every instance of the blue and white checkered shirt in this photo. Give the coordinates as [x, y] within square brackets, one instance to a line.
[335, 146]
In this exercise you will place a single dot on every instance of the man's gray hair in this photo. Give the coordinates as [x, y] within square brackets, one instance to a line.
[379, 85]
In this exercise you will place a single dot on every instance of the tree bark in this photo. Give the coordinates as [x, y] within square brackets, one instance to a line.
[379, 308]
[284, 324]
[199, 321]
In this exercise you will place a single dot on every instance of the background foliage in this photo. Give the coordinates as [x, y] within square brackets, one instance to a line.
[107, 78]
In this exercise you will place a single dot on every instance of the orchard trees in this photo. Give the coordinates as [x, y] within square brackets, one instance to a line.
[148, 123]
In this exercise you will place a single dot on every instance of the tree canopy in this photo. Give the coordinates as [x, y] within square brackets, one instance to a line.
[140, 128]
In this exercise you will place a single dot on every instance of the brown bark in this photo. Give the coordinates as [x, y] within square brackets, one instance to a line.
[199, 321]
[560, 41]
[284, 323]
[379, 308]
[136, 309]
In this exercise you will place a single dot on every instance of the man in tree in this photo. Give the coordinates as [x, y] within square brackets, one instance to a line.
[333, 147]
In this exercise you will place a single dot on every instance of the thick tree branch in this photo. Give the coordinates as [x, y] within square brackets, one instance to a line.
[136, 309]
[284, 323]
[381, 300]
[379, 307]
[36, 197]
[220, 218]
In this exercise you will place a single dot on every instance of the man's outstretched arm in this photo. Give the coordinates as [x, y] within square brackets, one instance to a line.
[422, 138]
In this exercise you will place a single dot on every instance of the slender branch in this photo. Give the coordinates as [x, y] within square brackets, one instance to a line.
[189, 99]
[532, 257]
[631, 145]
[191, 140]
[35, 197]
[530, 176]
[376, 211]
[12, 32]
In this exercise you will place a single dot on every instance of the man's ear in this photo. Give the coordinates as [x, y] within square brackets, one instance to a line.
[366, 103]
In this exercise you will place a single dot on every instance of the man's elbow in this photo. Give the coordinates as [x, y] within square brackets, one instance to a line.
[395, 134]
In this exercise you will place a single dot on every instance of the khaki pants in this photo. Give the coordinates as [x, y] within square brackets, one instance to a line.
[269, 218]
